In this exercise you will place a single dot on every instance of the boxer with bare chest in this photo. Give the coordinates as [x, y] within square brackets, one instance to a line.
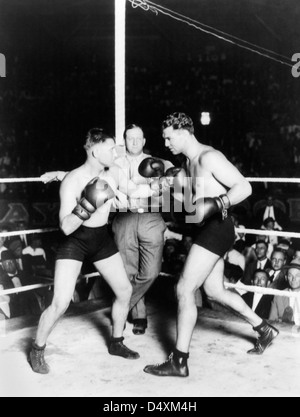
[215, 186]
[86, 197]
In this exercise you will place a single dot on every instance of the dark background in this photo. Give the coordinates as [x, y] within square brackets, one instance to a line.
[60, 78]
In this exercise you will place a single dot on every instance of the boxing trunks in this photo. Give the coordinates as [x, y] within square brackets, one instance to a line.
[215, 235]
[94, 244]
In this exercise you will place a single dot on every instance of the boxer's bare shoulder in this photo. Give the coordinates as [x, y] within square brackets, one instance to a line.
[210, 156]
[78, 177]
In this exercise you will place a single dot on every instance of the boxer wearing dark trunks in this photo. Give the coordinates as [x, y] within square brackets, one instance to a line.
[216, 185]
[86, 196]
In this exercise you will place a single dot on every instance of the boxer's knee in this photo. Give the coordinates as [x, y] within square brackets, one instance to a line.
[125, 293]
[60, 305]
[185, 290]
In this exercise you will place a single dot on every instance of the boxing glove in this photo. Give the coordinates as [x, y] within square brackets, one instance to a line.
[95, 195]
[176, 177]
[152, 168]
[207, 207]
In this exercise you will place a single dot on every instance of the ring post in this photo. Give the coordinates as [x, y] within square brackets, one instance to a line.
[120, 69]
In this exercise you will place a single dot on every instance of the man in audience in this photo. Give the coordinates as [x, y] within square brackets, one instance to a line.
[270, 225]
[11, 278]
[3, 246]
[287, 309]
[274, 209]
[5, 284]
[277, 272]
[264, 238]
[286, 245]
[261, 262]
[37, 256]
[296, 254]
[16, 248]
[259, 303]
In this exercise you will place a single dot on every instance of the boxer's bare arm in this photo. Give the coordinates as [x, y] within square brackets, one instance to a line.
[69, 222]
[239, 189]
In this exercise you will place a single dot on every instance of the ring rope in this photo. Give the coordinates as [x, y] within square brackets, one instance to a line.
[28, 232]
[19, 180]
[264, 291]
[38, 286]
[268, 233]
[275, 180]
[238, 230]
[242, 287]
[250, 179]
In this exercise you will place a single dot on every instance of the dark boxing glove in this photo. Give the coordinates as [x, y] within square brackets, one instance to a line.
[208, 206]
[152, 168]
[176, 177]
[95, 195]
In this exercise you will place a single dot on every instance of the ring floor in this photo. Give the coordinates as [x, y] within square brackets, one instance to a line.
[81, 366]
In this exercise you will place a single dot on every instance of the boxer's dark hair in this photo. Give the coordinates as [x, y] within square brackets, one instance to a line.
[130, 127]
[179, 121]
[95, 136]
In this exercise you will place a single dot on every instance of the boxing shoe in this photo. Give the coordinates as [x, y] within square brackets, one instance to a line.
[267, 334]
[139, 326]
[174, 367]
[117, 348]
[37, 361]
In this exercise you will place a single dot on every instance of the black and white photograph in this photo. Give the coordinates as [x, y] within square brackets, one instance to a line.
[149, 201]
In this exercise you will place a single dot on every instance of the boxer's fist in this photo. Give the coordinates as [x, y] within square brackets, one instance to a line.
[95, 195]
[98, 192]
[207, 207]
[176, 177]
[152, 168]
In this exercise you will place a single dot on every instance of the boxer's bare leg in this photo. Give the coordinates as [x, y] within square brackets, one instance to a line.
[113, 271]
[66, 275]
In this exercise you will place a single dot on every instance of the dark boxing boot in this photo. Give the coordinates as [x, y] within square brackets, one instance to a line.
[267, 334]
[117, 348]
[37, 360]
[175, 366]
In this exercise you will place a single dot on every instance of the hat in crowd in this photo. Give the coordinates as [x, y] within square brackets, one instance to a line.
[6, 256]
[294, 264]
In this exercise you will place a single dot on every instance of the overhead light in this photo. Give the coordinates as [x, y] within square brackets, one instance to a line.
[205, 118]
